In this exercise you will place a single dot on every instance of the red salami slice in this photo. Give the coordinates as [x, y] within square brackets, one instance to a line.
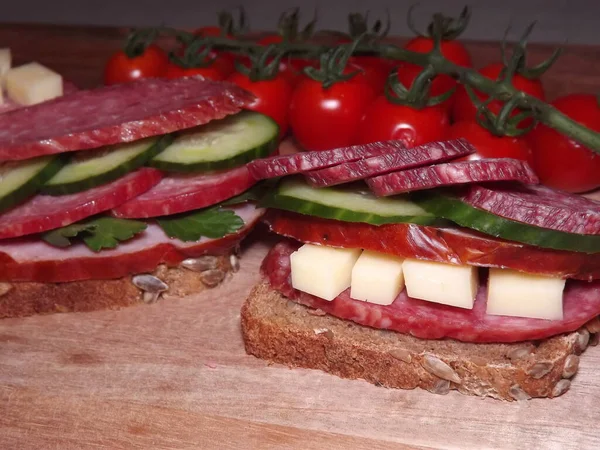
[277, 166]
[426, 320]
[45, 212]
[453, 173]
[377, 165]
[9, 105]
[186, 192]
[31, 259]
[114, 114]
[449, 245]
[538, 205]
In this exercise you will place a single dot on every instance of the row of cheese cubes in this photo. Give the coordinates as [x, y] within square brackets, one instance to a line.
[378, 278]
[28, 84]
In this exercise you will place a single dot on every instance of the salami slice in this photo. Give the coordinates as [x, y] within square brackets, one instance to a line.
[186, 192]
[9, 105]
[449, 245]
[426, 320]
[453, 173]
[377, 165]
[31, 259]
[114, 114]
[45, 212]
[539, 206]
[277, 166]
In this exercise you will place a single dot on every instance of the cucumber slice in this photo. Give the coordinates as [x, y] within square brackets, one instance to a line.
[88, 169]
[453, 209]
[21, 179]
[220, 144]
[345, 204]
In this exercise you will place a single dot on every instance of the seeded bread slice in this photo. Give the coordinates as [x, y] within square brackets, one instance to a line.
[19, 299]
[279, 330]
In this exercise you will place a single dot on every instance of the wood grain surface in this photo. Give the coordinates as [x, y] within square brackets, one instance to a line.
[174, 374]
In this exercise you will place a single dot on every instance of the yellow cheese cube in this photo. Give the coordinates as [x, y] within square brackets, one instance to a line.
[33, 83]
[377, 278]
[448, 284]
[323, 271]
[5, 63]
[512, 293]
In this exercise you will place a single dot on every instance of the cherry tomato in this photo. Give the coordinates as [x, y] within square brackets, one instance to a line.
[210, 72]
[488, 145]
[272, 97]
[209, 31]
[562, 162]
[452, 50]
[322, 118]
[270, 39]
[289, 68]
[223, 61]
[153, 62]
[463, 108]
[376, 70]
[384, 120]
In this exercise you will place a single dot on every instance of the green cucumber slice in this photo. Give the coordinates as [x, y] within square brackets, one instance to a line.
[344, 203]
[220, 144]
[453, 209]
[88, 169]
[21, 179]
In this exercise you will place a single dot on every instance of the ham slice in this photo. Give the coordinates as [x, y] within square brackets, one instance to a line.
[31, 259]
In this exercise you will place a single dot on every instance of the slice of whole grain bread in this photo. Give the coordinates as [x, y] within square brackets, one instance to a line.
[19, 299]
[279, 330]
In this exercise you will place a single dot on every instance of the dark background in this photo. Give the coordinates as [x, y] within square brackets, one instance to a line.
[575, 21]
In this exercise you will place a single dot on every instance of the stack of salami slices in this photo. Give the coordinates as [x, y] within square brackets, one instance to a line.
[493, 281]
[114, 196]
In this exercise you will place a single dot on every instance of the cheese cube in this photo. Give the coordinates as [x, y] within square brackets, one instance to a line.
[323, 271]
[377, 278]
[441, 283]
[512, 293]
[5, 62]
[33, 83]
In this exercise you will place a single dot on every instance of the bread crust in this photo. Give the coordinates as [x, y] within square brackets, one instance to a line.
[279, 330]
[20, 299]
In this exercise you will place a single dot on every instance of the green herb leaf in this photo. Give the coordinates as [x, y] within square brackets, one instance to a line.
[212, 223]
[61, 236]
[97, 234]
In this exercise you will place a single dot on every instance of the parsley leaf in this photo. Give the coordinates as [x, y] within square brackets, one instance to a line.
[212, 223]
[253, 194]
[97, 234]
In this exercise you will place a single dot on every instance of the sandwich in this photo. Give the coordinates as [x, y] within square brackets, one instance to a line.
[423, 268]
[126, 194]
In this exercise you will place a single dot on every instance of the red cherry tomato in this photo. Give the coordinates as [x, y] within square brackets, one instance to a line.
[463, 108]
[376, 70]
[384, 120]
[223, 61]
[488, 145]
[210, 72]
[270, 39]
[209, 31]
[289, 68]
[153, 62]
[562, 162]
[322, 118]
[272, 97]
[452, 50]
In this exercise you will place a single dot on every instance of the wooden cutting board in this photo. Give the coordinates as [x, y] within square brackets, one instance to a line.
[175, 375]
